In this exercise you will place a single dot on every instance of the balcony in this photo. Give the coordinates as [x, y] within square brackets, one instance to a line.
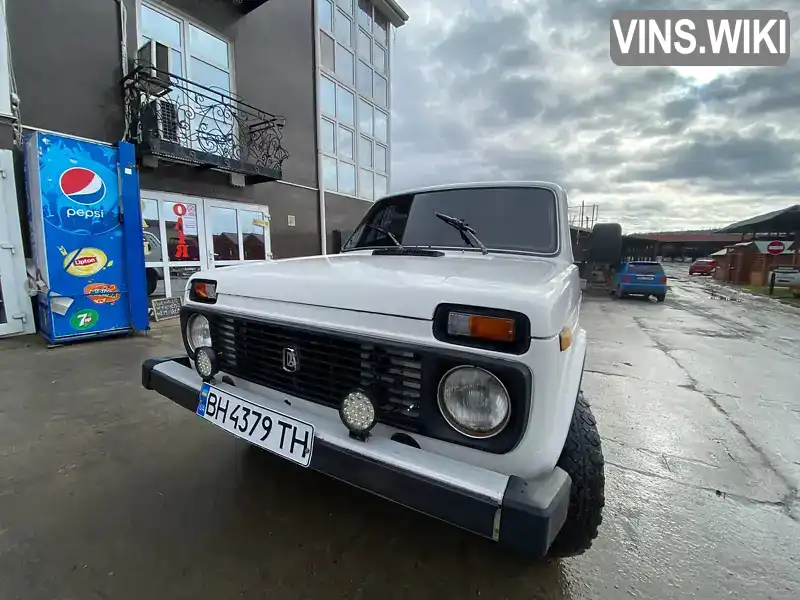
[175, 120]
[246, 6]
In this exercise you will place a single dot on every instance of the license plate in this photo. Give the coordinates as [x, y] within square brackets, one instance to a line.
[645, 277]
[271, 430]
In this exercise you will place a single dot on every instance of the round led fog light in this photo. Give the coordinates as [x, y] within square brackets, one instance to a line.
[205, 361]
[358, 413]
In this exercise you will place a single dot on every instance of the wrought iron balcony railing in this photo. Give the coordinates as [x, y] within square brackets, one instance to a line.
[173, 119]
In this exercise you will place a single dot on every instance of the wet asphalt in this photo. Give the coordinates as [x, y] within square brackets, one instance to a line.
[111, 492]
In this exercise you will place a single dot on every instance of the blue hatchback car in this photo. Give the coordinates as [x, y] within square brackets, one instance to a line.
[640, 278]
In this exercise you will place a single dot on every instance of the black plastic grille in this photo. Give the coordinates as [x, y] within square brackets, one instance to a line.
[329, 366]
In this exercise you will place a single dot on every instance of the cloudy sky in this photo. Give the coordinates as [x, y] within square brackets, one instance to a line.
[525, 89]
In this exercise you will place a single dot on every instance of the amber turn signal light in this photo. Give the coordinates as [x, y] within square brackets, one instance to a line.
[203, 291]
[565, 338]
[496, 329]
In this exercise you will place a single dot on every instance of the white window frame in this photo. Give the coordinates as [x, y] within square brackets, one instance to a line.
[186, 20]
[369, 98]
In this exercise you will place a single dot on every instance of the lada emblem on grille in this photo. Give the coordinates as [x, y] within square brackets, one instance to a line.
[290, 362]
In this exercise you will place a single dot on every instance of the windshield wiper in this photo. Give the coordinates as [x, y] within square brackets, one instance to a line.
[463, 229]
[387, 233]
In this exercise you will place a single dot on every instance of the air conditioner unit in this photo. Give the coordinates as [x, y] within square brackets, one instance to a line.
[156, 60]
[161, 118]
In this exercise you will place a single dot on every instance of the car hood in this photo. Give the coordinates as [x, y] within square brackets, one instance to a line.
[408, 286]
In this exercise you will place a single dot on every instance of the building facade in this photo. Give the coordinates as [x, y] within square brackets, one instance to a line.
[262, 124]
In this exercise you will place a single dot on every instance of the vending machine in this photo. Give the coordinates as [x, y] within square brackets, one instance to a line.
[85, 221]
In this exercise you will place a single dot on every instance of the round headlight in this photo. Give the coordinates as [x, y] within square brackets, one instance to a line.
[474, 402]
[198, 332]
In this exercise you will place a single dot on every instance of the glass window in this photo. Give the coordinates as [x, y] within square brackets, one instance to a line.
[380, 157]
[379, 58]
[363, 41]
[347, 5]
[381, 126]
[380, 186]
[365, 152]
[151, 231]
[380, 90]
[344, 29]
[365, 13]
[327, 96]
[253, 238]
[364, 117]
[347, 178]
[224, 233]
[179, 278]
[380, 28]
[329, 173]
[346, 142]
[344, 64]
[365, 188]
[328, 133]
[326, 49]
[210, 77]
[208, 47]
[411, 218]
[346, 106]
[182, 245]
[364, 79]
[325, 14]
[158, 26]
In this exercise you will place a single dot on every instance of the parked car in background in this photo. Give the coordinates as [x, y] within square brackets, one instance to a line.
[640, 278]
[703, 266]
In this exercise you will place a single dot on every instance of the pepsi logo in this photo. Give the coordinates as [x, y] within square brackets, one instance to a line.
[82, 186]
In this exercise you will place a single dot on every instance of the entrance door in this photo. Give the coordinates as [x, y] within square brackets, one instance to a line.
[236, 232]
[12, 266]
[10, 321]
[174, 246]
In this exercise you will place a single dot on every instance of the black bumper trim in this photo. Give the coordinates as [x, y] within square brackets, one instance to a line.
[531, 515]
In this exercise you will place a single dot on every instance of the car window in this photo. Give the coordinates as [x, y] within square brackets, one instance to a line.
[645, 268]
[504, 218]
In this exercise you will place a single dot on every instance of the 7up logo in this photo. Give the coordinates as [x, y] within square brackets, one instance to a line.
[84, 319]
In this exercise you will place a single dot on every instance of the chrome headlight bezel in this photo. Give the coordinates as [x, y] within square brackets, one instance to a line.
[454, 423]
[191, 342]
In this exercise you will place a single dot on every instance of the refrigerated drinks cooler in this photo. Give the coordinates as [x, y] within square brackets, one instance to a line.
[89, 260]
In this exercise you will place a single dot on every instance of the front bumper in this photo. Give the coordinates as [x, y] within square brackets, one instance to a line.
[523, 515]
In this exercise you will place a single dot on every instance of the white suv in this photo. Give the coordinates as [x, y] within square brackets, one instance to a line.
[435, 361]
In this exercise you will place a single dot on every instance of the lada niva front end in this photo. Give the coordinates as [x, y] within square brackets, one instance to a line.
[435, 361]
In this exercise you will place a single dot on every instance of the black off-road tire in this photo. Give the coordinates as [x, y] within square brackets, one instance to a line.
[605, 243]
[582, 459]
[661, 297]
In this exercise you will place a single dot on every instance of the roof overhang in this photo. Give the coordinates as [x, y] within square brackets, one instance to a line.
[392, 10]
[785, 220]
[246, 6]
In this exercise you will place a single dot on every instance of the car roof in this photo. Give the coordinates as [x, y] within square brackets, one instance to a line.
[481, 184]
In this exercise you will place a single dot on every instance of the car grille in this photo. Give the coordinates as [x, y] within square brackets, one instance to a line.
[329, 366]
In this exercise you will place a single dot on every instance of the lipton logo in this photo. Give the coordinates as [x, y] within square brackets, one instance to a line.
[84, 261]
[102, 293]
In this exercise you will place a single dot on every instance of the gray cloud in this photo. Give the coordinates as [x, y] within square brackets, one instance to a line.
[525, 89]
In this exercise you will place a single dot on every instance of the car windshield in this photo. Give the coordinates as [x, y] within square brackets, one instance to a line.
[514, 219]
[645, 268]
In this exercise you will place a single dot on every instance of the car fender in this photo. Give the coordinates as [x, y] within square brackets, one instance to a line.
[568, 388]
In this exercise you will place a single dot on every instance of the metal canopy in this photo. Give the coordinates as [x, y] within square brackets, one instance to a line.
[785, 220]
